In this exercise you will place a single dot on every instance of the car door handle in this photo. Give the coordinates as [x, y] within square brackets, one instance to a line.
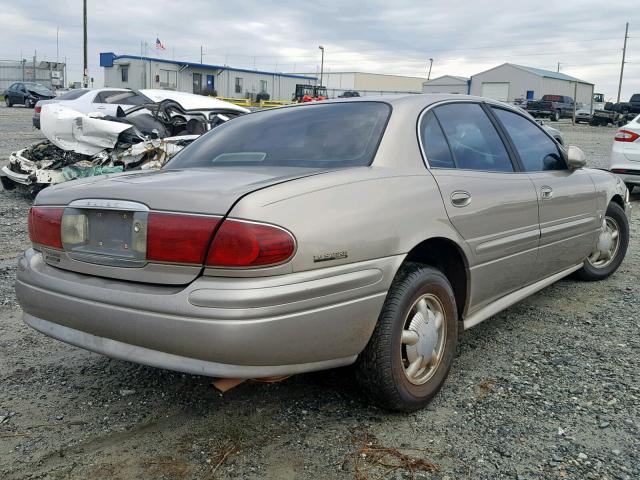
[546, 192]
[100, 107]
[460, 198]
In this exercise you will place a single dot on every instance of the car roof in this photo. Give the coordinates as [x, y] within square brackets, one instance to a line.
[191, 101]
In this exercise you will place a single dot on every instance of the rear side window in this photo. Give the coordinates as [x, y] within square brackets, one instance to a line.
[318, 135]
[474, 141]
[635, 97]
[434, 144]
[72, 94]
[536, 150]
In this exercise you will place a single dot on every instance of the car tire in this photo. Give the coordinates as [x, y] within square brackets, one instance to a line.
[597, 266]
[384, 369]
[555, 116]
[7, 101]
[27, 103]
[630, 187]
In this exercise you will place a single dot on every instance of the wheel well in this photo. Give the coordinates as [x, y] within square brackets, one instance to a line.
[447, 257]
[618, 199]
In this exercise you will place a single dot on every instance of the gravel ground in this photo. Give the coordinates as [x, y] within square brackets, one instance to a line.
[549, 388]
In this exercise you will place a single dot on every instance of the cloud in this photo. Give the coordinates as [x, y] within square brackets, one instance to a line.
[376, 36]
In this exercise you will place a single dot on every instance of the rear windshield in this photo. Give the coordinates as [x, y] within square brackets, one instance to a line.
[128, 98]
[72, 94]
[316, 135]
[552, 98]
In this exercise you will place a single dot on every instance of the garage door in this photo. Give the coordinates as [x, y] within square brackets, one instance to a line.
[496, 91]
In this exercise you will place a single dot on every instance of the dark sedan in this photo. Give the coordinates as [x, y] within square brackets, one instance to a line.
[27, 94]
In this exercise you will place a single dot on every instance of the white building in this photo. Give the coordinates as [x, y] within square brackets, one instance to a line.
[367, 84]
[508, 81]
[136, 72]
[447, 84]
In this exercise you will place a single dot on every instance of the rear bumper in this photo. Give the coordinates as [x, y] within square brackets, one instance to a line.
[222, 327]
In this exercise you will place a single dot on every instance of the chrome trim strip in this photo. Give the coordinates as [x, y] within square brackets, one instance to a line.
[508, 300]
[109, 204]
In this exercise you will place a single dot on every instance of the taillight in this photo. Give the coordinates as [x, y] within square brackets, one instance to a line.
[179, 238]
[44, 226]
[38, 108]
[626, 136]
[247, 244]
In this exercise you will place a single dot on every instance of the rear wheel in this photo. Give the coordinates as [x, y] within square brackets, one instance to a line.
[611, 246]
[555, 116]
[413, 345]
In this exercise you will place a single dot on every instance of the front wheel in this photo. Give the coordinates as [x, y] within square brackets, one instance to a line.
[7, 101]
[413, 344]
[611, 247]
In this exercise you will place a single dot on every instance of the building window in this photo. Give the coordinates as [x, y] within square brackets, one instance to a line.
[263, 86]
[124, 74]
[238, 85]
[168, 78]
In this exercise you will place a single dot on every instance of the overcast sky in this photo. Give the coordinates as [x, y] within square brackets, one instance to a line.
[398, 37]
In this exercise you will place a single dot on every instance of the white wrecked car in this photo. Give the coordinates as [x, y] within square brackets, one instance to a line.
[145, 136]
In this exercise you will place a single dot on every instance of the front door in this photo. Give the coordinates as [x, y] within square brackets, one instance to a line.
[197, 83]
[491, 205]
[569, 223]
[210, 84]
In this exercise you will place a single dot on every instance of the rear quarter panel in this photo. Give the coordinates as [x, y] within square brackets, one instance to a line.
[607, 186]
[364, 213]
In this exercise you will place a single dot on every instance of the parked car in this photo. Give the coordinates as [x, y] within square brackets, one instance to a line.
[553, 106]
[84, 100]
[27, 94]
[625, 153]
[320, 235]
[349, 94]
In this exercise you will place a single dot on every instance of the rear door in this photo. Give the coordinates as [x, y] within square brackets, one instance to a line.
[569, 223]
[492, 205]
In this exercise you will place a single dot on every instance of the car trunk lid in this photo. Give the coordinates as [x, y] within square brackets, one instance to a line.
[106, 219]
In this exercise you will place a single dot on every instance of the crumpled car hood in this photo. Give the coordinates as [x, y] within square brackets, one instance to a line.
[71, 130]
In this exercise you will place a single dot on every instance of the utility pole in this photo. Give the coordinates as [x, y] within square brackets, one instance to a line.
[57, 44]
[430, 65]
[201, 54]
[85, 71]
[624, 52]
[558, 68]
[321, 63]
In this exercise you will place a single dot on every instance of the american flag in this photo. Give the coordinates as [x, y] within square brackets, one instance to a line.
[159, 44]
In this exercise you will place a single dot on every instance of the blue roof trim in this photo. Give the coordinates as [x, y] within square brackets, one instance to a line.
[550, 74]
[201, 65]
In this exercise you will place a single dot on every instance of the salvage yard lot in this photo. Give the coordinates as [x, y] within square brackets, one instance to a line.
[549, 388]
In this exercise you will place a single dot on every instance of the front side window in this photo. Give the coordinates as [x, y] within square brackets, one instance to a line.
[238, 85]
[434, 144]
[536, 150]
[474, 141]
[331, 135]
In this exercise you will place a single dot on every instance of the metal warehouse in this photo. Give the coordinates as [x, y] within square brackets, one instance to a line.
[50, 74]
[369, 83]
[508, 81]
[135, 71]
[446, 84]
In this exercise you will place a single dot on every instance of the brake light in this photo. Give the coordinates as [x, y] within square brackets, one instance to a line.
[38, 108]
[626, 136]
[179, 238]
[44, 226]
[247, 244]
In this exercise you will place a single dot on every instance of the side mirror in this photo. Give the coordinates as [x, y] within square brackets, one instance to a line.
[576, 158]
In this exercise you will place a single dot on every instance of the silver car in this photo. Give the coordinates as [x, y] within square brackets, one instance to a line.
[315, 236]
